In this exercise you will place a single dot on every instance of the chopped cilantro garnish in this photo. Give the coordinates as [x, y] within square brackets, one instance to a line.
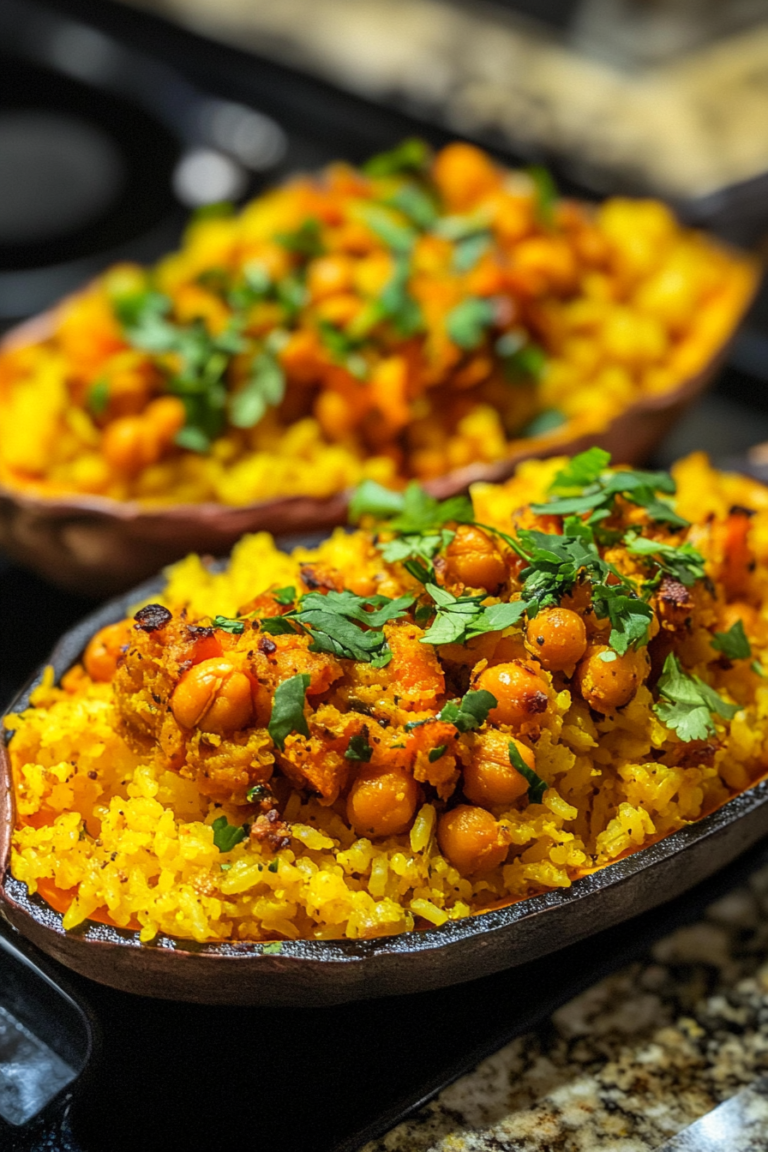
[256, 793]
[686, 704]
[273, 866]
[416, 204]
[467, 322]
[264, 388]
[226, 624]
[435, 753]
[734, 644]
[469, 249]
[546, 194]
[417, 518]
[98, 397]
[288, 709]
[359, 748]
[584, 486]
[226, 835]
[411, 155]
[546, 421]
[334, 619]
[385, 225]
[275, 948]
[285, 596]
[459, 619]
[304, 240]
[682, 561]
[536, 786]
[469, 712]
[757, 667]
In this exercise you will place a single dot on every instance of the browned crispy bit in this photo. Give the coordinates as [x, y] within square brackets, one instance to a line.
[317, 580]
[694, 754]
[266, 645]
[674, 603]
[269, 828]
[152, 617]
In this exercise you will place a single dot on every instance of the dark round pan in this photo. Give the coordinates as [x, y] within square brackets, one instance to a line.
[311, 972]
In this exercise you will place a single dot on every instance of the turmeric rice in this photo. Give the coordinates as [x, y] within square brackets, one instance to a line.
[448, 709]
[416, 316]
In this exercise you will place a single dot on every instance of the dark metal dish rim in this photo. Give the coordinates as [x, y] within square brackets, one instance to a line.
[478, 925]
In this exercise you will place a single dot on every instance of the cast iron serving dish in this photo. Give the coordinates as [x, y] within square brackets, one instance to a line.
[311, 972]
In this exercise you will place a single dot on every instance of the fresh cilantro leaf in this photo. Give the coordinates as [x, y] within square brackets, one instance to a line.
[98, 397]
[469, 249]
[686, 703]
[414, 203]
[193, 439]
[273, 949]
[529, 361]
[372, 499]
[305, 240]
[546, 194]
[683, 561]
[359, 748]
[470, 712]
[382, 659]
[467, 322]
[226, 835]
[277, 626]
[226, 624]
[255, 286]
[419, 571]
[536, 786]
[263, 389]
[333, 621]
[630, 616]
[411, 155]
[757, 667]
[288, 709]
[273, 866]
[284, 596]
[396, 303]
[734, 644]
[546, 421]
[581, 470]
[385, 225]
[435, 753]
[291, 292]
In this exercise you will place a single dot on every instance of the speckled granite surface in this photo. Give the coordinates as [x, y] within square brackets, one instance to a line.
[631, 1063]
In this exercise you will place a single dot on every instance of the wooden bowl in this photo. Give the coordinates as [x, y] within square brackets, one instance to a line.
[100, 546]
[311, 972]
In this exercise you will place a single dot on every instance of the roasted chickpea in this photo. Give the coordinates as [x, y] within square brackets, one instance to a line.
[610, 684]
[489, 778]
[213, 696]
[558, 638]
[105, 649]
[382, 801]
[165, 416]
[522, 695]
[472, 839]
[128, 444]
[473, 559]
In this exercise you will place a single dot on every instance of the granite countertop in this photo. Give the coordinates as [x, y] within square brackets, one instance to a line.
[632, 1062]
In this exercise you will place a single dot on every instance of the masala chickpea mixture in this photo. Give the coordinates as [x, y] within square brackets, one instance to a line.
[418, 315]
[450, 708]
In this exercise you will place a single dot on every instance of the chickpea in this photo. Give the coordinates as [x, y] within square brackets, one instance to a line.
[558, 638]
[472, 839]
[522, 695]
[382, 801]
[213, 696]
[607, 685]
[489, 778]
[473, 559]
[127, 445]
[463, 175]
[165, 416]
[105, 649]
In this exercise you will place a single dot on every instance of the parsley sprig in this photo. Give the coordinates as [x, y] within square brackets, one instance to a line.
[536, 786]
[466, 714]
[734, 644]
[417, 519]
